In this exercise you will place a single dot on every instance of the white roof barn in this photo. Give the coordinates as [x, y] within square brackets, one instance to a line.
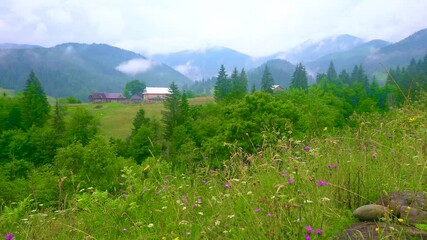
[155, 93]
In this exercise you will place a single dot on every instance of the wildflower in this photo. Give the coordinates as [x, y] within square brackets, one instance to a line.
[377, 229]
[194, 206]
[307, 237]
[150, 225]
[9, 236]
[188, 233]
[227, 185]
[306, 148]
[204, 182]
[321, 183]
[329, 166]
[291, 180]
[258, 209]
[309, 229]
[374, 154]
[319, 231]
[269, 215]
[124, 195]
[400, 220]
[336, 165]
[201, 213]
[124, 230]
[411, 119]
[199, 200]
[284, 174]
[325, 128]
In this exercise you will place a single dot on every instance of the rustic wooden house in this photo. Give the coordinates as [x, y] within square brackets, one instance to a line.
[276, 87]
[151, 94]
[107, 97]
[136, 98]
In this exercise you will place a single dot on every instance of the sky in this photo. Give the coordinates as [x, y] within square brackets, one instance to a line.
[254, 27]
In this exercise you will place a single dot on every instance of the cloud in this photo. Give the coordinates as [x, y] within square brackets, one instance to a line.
[189, 70]
[135, 66]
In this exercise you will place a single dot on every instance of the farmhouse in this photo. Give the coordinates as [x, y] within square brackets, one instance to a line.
[106, 97]
[155, 93]
[276, 87]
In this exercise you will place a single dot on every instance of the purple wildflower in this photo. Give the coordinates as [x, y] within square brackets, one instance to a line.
[329, 166]
[227, 185]
[307, 237]
[309, 229]
[188, 233]
[194, 206]
[306, 148]
[199, 200]
[319, 231]
[124, 195]
[321, 183]
[204, 182]
[291, 180]
[9, 236]
[374, 154]
[336, 165]
[258, 209]
[269, 215]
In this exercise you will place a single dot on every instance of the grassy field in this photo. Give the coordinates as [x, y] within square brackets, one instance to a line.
[280, 192]
[116, 118]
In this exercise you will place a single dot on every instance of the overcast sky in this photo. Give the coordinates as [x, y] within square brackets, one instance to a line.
[254, 27]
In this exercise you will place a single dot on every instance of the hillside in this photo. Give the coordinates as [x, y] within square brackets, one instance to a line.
[199, 64]
[372, 55]
[281, 70]
[73, 69]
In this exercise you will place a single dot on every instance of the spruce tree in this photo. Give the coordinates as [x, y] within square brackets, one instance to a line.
[222, 85]
[171, 115]
[267, 80]
[331, 74]
[243, 84]
[299, 78]
[35, 107]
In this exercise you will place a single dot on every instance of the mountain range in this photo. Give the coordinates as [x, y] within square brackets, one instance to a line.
[73, 69]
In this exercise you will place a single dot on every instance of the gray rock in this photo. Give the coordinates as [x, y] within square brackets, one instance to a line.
[413, 215]
[396, 200]
[380, 230]
[370, 212]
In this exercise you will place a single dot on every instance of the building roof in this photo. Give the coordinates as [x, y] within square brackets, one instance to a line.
[276, 87]
[114, 95]
[157, 90]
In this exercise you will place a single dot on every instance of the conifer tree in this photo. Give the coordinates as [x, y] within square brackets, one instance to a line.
[34, 105]
[331, 74]
[172, 105]
[299, 78]
[222, 85]
[242, 85]
[267, 80]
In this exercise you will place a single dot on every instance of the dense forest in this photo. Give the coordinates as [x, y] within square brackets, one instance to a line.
[55, 160]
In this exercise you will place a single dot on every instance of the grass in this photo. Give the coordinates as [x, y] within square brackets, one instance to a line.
[273, 194]
[116, 118]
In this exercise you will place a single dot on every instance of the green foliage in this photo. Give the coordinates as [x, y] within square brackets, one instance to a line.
[82, 126]
[172, 112]
[222, 85]
[267, 81]
[299, 78]
[35, 108]
[133, 87]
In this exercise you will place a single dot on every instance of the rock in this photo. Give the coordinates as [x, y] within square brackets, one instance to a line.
[380, 230]
[395, 200]
[370, 212]
[413, 215]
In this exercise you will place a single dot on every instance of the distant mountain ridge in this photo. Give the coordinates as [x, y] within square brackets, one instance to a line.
[73, 69]
[202, 64]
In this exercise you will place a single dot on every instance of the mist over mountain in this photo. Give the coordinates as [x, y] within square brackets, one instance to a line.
[375, 54]
[73, 69]
[202, 64]
[310, 50]
[17, 46]
[280, 69]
